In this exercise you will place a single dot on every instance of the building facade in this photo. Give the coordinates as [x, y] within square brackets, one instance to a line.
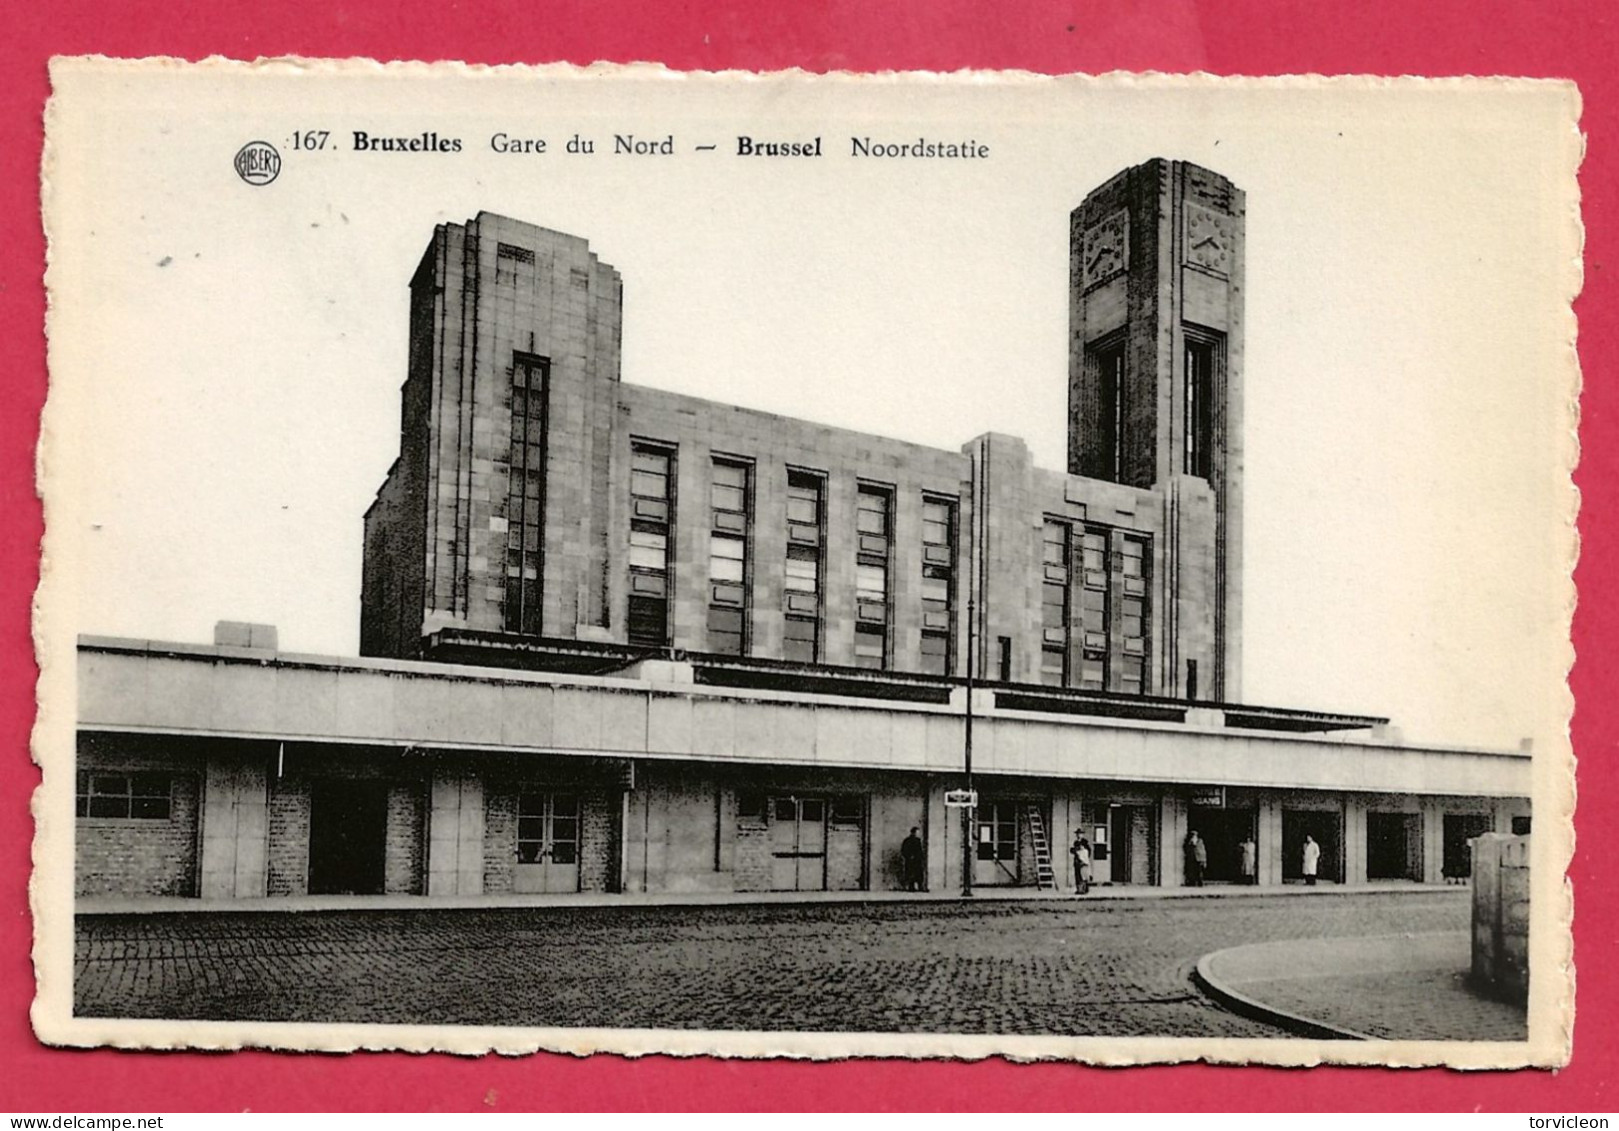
[620, 639]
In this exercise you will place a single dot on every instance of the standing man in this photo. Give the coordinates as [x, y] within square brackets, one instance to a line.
[1250, 859]
[1081, 852]
[911, 859]
[1197, 859]
[1312, 859]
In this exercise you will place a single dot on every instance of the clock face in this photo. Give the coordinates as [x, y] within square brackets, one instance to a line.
[1106, 249]
[1209, 239]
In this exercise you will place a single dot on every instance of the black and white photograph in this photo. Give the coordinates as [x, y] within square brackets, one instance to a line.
[761, 565]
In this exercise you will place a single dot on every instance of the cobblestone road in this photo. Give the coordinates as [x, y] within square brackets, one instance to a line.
[1113, 968]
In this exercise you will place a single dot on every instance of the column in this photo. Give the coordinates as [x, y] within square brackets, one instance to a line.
[1171, 841]
[1270, 842]
[1355, 840]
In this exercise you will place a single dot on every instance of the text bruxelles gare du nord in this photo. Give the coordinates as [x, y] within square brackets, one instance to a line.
[664, 146]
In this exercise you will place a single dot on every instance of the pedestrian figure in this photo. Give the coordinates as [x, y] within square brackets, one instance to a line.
[911, 857]
[1312, 859]
[1081, 852]
[1197, 859]
[1250, 859]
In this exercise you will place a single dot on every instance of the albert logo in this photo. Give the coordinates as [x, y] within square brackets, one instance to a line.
[258, 163]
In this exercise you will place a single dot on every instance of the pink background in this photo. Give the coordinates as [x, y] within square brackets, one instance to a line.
[1447, 37]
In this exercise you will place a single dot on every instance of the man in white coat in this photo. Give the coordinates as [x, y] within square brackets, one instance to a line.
[1312, 859]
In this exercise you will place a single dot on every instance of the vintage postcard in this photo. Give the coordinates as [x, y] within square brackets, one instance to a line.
[760, 565]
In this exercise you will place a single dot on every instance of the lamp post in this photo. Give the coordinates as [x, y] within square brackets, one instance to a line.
[969, 811]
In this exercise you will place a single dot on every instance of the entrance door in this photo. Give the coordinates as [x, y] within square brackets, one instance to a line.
[1393, 846]
[1459, 831]
[1326, 827]
[996, 859]
[798, 843]
[348, 829]
[1222, 832]
[547, 843]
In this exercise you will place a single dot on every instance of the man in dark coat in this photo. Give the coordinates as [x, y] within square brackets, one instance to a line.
[911, 859]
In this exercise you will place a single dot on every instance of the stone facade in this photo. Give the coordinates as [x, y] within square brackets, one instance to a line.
[496, 301]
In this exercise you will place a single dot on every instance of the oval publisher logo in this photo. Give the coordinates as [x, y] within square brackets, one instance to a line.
[258, 163]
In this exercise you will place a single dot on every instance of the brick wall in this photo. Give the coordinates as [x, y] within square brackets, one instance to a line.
[499, 836]
[599, 821]
[845, 857]
[141, 857]
[755, 863]
[288, 852]
[402, 852]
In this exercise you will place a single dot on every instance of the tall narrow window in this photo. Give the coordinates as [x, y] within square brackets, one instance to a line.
[1202, 360]
[651, 517]
[1134, 565]
[1094, 609]
[801, 635]
[525, 497]
[1112, 417]
[728, 571]
[873, 518]
[938, 583]
[1054, 600]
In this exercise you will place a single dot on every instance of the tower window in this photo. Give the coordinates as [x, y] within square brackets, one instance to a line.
[1202, 362]
[1054, 605]
[1107, 359]
[525, 496]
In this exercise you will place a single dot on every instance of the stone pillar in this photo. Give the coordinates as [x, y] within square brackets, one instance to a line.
[1171, 841]
[235, 829]
[943, 841]
[1354, 840]
[455, 835]
[1433, 841]
[1270, 843]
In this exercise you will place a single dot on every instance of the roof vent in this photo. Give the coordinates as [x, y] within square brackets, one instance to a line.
[240, 634]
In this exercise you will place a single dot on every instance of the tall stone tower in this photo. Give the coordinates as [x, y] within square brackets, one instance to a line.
[495, 515]
[1155, 394]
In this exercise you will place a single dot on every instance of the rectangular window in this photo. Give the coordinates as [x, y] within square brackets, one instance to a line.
[525, 496]
[1202, 361]
[1108, 368]
[1095, 610]
[1132, 597]
[938, 583]
[874, 508]
[1054, 604]
[730, 511]
[137, 796]
[801, 599]
[651, 517]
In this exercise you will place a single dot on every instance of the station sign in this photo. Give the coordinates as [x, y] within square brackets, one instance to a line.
[961, 799]
[1209, 797]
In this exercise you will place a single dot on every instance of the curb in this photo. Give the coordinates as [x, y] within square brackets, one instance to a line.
[1256, 1010]
[181, 905]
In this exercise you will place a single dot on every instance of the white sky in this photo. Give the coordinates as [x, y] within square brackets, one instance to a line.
[228, 359]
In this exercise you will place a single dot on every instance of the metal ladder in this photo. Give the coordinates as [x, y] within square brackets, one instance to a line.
[1044, 877]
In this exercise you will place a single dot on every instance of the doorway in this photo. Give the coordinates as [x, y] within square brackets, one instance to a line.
[995, 856]
[348, 830]
[1393, 846]
[1459, 831]
[798, 843]
[547, 843]
[1222, 832]
[1326, 826]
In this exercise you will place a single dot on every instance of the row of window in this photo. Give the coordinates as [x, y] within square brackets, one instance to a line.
[730, 563]
[1094, 607]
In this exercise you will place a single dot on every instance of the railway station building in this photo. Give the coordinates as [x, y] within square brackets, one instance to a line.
[618, 639]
